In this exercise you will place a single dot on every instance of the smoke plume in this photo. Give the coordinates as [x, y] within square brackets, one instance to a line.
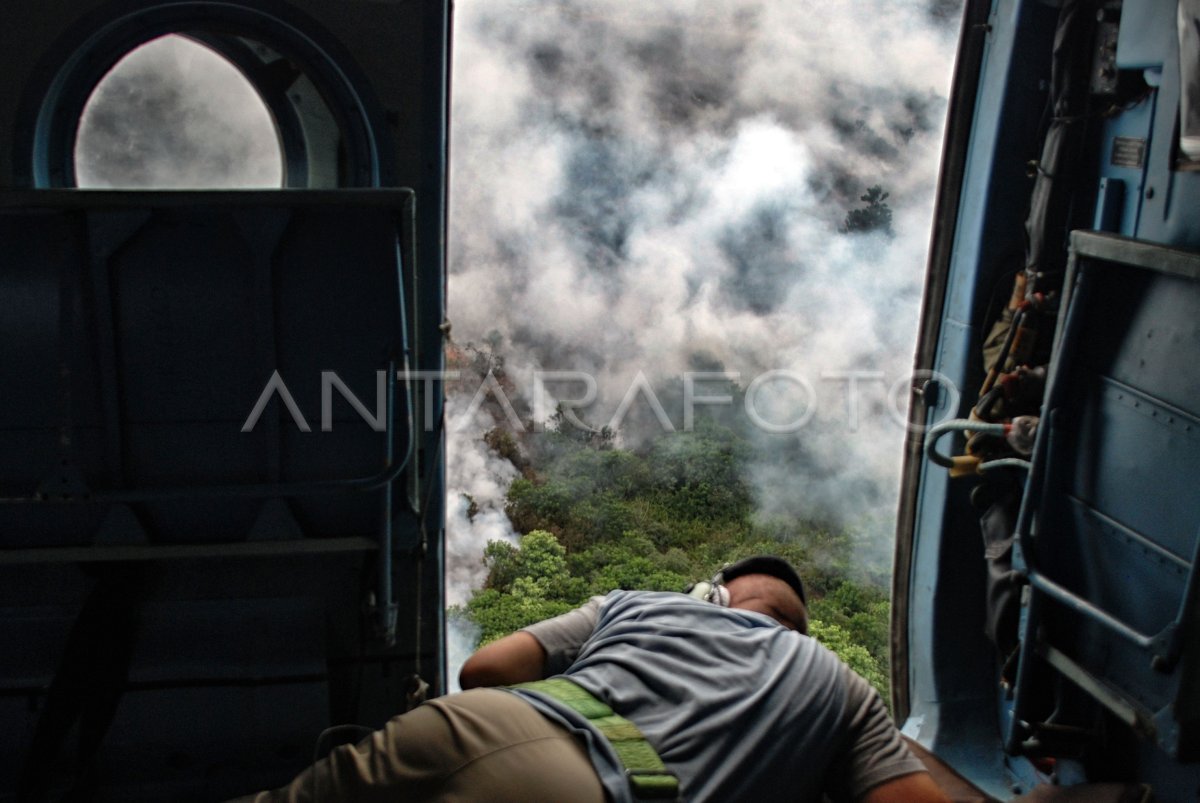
[662, 189]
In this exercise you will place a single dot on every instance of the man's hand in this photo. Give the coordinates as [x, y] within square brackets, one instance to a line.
[516, 658]
[915, 788]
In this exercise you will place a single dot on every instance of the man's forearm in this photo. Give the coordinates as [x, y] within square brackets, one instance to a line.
[516, 658]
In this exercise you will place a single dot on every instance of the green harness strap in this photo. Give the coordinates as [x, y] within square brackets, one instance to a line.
[648, 777]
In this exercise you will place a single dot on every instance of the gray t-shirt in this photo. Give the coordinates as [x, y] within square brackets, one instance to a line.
[737, 706]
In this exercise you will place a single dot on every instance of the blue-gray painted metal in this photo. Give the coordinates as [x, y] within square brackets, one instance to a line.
[1124, 523]
[1122, 455]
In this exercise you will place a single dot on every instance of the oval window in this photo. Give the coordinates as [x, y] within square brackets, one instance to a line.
[175, 114]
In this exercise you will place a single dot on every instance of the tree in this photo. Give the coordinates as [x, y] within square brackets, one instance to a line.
[876, 216]
[599, 518]
[855, 655]
[526, 583]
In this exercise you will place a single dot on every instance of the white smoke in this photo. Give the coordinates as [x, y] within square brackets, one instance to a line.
[659, 189]
[462, 636]
[477, 481]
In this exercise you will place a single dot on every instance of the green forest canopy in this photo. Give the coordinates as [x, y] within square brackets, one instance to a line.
[597, 518]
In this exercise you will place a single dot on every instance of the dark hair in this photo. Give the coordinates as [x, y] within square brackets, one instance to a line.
[766, 564]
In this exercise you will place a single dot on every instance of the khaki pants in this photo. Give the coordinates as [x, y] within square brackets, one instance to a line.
[480, 745]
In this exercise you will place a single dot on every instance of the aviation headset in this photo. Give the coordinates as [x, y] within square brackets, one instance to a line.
[714, 590]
